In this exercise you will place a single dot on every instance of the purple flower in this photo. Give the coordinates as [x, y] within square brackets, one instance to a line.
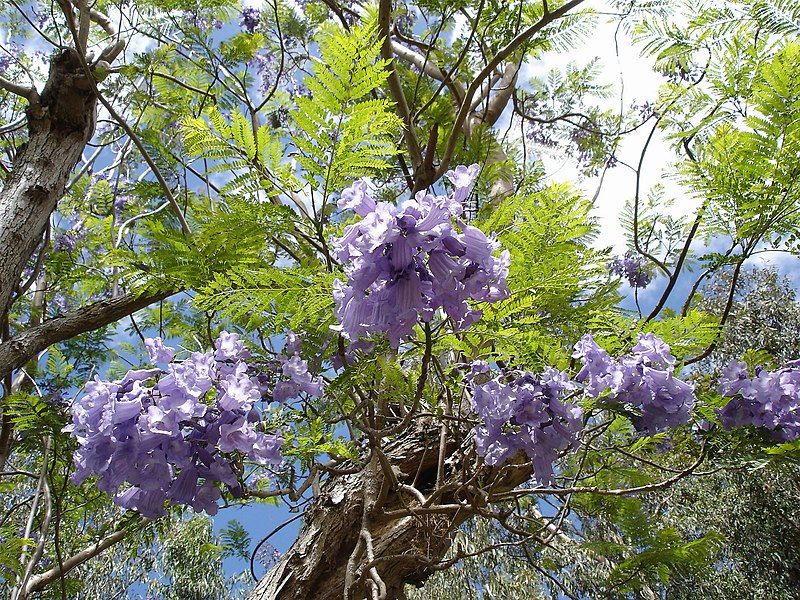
[249, 19]
[240, 393]
[284, 390]
[65, 242]
[266, 449]
[206, 498]
[158, 352]
[265, 64]
[172, 441]
[238, 435]
[120, 202]
[405, 22]
[478, 367]
[267, 555]
[462, 179]
[59, 302]
[41, 17]
[296, 370]
[357, 199]
[292, 343]
[632, 268]
[598, 366]
[653, 351]
[13, 53]
[230, 347]
[529, 415]
[640, 383]
[405, 264]
[769, 401]
[193, 377]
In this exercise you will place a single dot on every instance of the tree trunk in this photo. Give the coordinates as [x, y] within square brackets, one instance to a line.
[331, 547]
[59, 125]
[406, 550]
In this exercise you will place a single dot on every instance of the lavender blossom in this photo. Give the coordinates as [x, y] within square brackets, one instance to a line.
[155, 436]
[65, 242]
[158, 352]
[632, 268]
[641, 383]
[249, 19]
[769, 401]
[403, 264]
[120, 202]
[532, 415]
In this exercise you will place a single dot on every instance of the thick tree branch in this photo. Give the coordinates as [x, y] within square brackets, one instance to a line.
[395, 87]
[429, 68]
[113, 50]
[29, 93]
[502, 94]
[21, 348]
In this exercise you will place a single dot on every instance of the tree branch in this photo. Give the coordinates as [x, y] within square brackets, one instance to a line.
[29, 93]
[429, 68]
[38, 582]
[21, 348]
[395, 87]
[502, 55]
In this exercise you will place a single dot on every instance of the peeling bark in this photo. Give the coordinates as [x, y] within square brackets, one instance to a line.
[60, 124]
[316, 565]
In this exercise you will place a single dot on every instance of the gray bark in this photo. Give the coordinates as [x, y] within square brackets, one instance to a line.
[60, 123]
[405, 549]
[315, 567]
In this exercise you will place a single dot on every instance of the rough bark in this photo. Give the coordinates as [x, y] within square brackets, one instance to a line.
[60, 123]
[405, 549]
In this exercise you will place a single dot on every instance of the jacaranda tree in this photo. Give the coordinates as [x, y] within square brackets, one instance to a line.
[308, 252]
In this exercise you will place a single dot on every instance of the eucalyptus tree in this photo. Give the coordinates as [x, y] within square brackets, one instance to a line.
[346, 203]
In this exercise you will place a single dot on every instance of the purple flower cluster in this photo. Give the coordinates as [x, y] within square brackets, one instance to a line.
[171, 434]
[405, 22]
[287, 375]
[268, 555]
[631, 268]
[770, 400]
[404, 264]
[529, 414]
[67, 240]
[200, 22]
[7, 57]
[266, 65]
[296, 378]
[249, 19]
[642, 383]
[41, 17]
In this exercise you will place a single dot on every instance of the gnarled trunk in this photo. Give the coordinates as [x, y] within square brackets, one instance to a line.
[351, 527]
[59, 125]
[316, 565]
